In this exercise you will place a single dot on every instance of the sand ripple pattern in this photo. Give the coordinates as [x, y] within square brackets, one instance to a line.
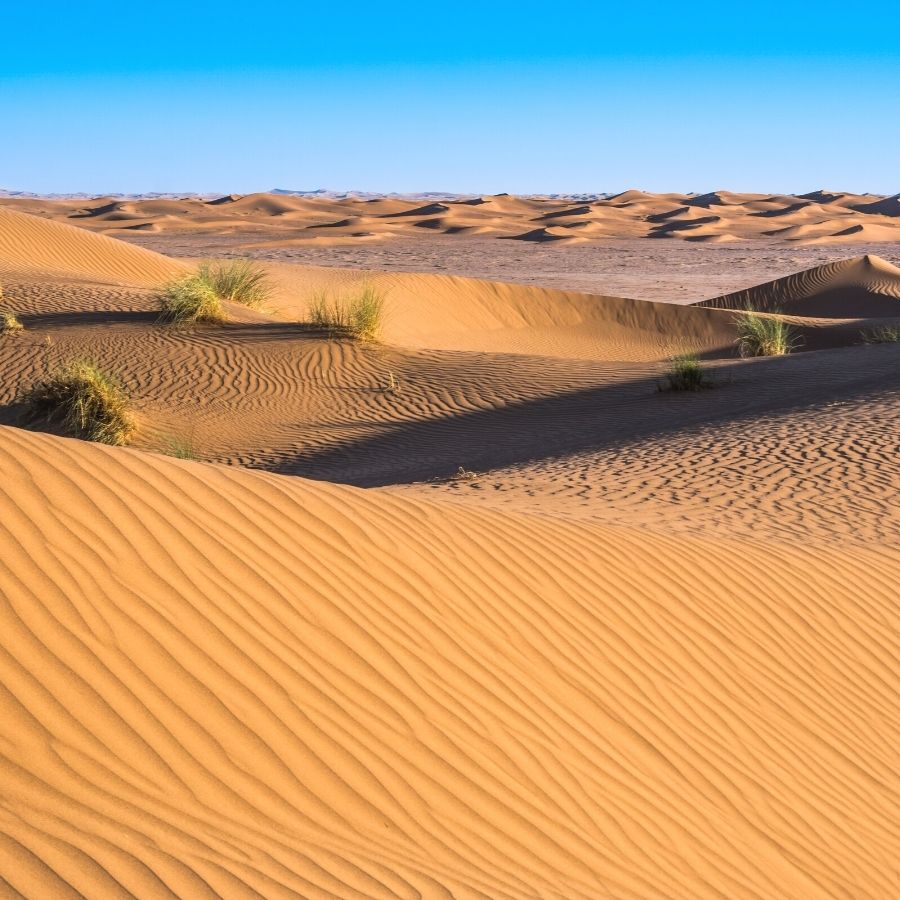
[32, 244]
[221, 683]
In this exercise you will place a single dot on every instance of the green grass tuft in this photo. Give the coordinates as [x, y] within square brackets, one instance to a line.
[238, 281]
[685, 373]
[85, 402]
[190, 300]
[358, 316]
[883, 334]
[199, 297]
[764, 335]
[181, 447]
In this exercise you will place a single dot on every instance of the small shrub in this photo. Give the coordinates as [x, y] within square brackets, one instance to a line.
[10, 323]
[356, 317]
[85, 401]
[332, 315]
[239, 281]
[366, 311]
[684, 374]
[883, 334]
[190, 300]
[764, 335]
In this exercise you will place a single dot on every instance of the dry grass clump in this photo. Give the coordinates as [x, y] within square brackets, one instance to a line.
[190, 300]
[883, 334]
[464, 474]
[685, 373]
[85, 402]
[10, 323]
[357, 317]
[764, 335]
[199, 297]
[239, 281]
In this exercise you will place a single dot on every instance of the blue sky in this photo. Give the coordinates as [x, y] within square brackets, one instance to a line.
[483, 97]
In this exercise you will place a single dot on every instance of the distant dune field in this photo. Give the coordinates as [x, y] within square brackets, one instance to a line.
[476, 609]
[722, 216]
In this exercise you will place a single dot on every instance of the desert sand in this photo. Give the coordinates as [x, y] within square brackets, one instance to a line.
[474, 610]
[604, 248]
[717, 217]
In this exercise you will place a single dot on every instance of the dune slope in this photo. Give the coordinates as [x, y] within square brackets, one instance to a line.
[447, 312]
[36, 245]
[226, 683]
[863, 287]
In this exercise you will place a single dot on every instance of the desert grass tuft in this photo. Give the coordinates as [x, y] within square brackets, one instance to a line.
[238, 281]
[358, 316]
[464, 474]
[764, 335]
[685, 373]
[190, 300]
[199, 297]
[84, 401]
[181, 447]
[883, 334]
[10, 323]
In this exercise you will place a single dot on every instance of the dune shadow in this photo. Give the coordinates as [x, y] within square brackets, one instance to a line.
[252, 331]
[88, 318]
[599, 418]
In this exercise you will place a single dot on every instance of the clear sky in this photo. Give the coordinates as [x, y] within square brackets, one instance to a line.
[524, 97]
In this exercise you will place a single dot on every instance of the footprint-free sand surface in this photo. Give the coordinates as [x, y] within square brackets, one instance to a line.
[471, 611]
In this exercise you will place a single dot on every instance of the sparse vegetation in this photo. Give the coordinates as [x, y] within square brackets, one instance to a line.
[685, 373]
[463, 474]
[764, 335]
[191, 300]
[883, 334]
[9, 323]
[199, 297]
[358, 316]
[238, 281]
[85, 402]
[181, 447]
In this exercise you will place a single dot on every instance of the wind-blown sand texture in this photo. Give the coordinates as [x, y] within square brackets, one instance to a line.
[644, 646]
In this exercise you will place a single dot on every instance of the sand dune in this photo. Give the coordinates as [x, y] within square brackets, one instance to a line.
[31, 244]
[817, 217]
[642, 645]
[865, 287]
[334, 693]
[887, 206]
[444, 312]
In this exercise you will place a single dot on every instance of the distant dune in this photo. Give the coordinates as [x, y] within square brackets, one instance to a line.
[864, 287]
[478, 609]
[818, 217]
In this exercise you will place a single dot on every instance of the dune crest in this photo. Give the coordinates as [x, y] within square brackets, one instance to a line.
[863, 287]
